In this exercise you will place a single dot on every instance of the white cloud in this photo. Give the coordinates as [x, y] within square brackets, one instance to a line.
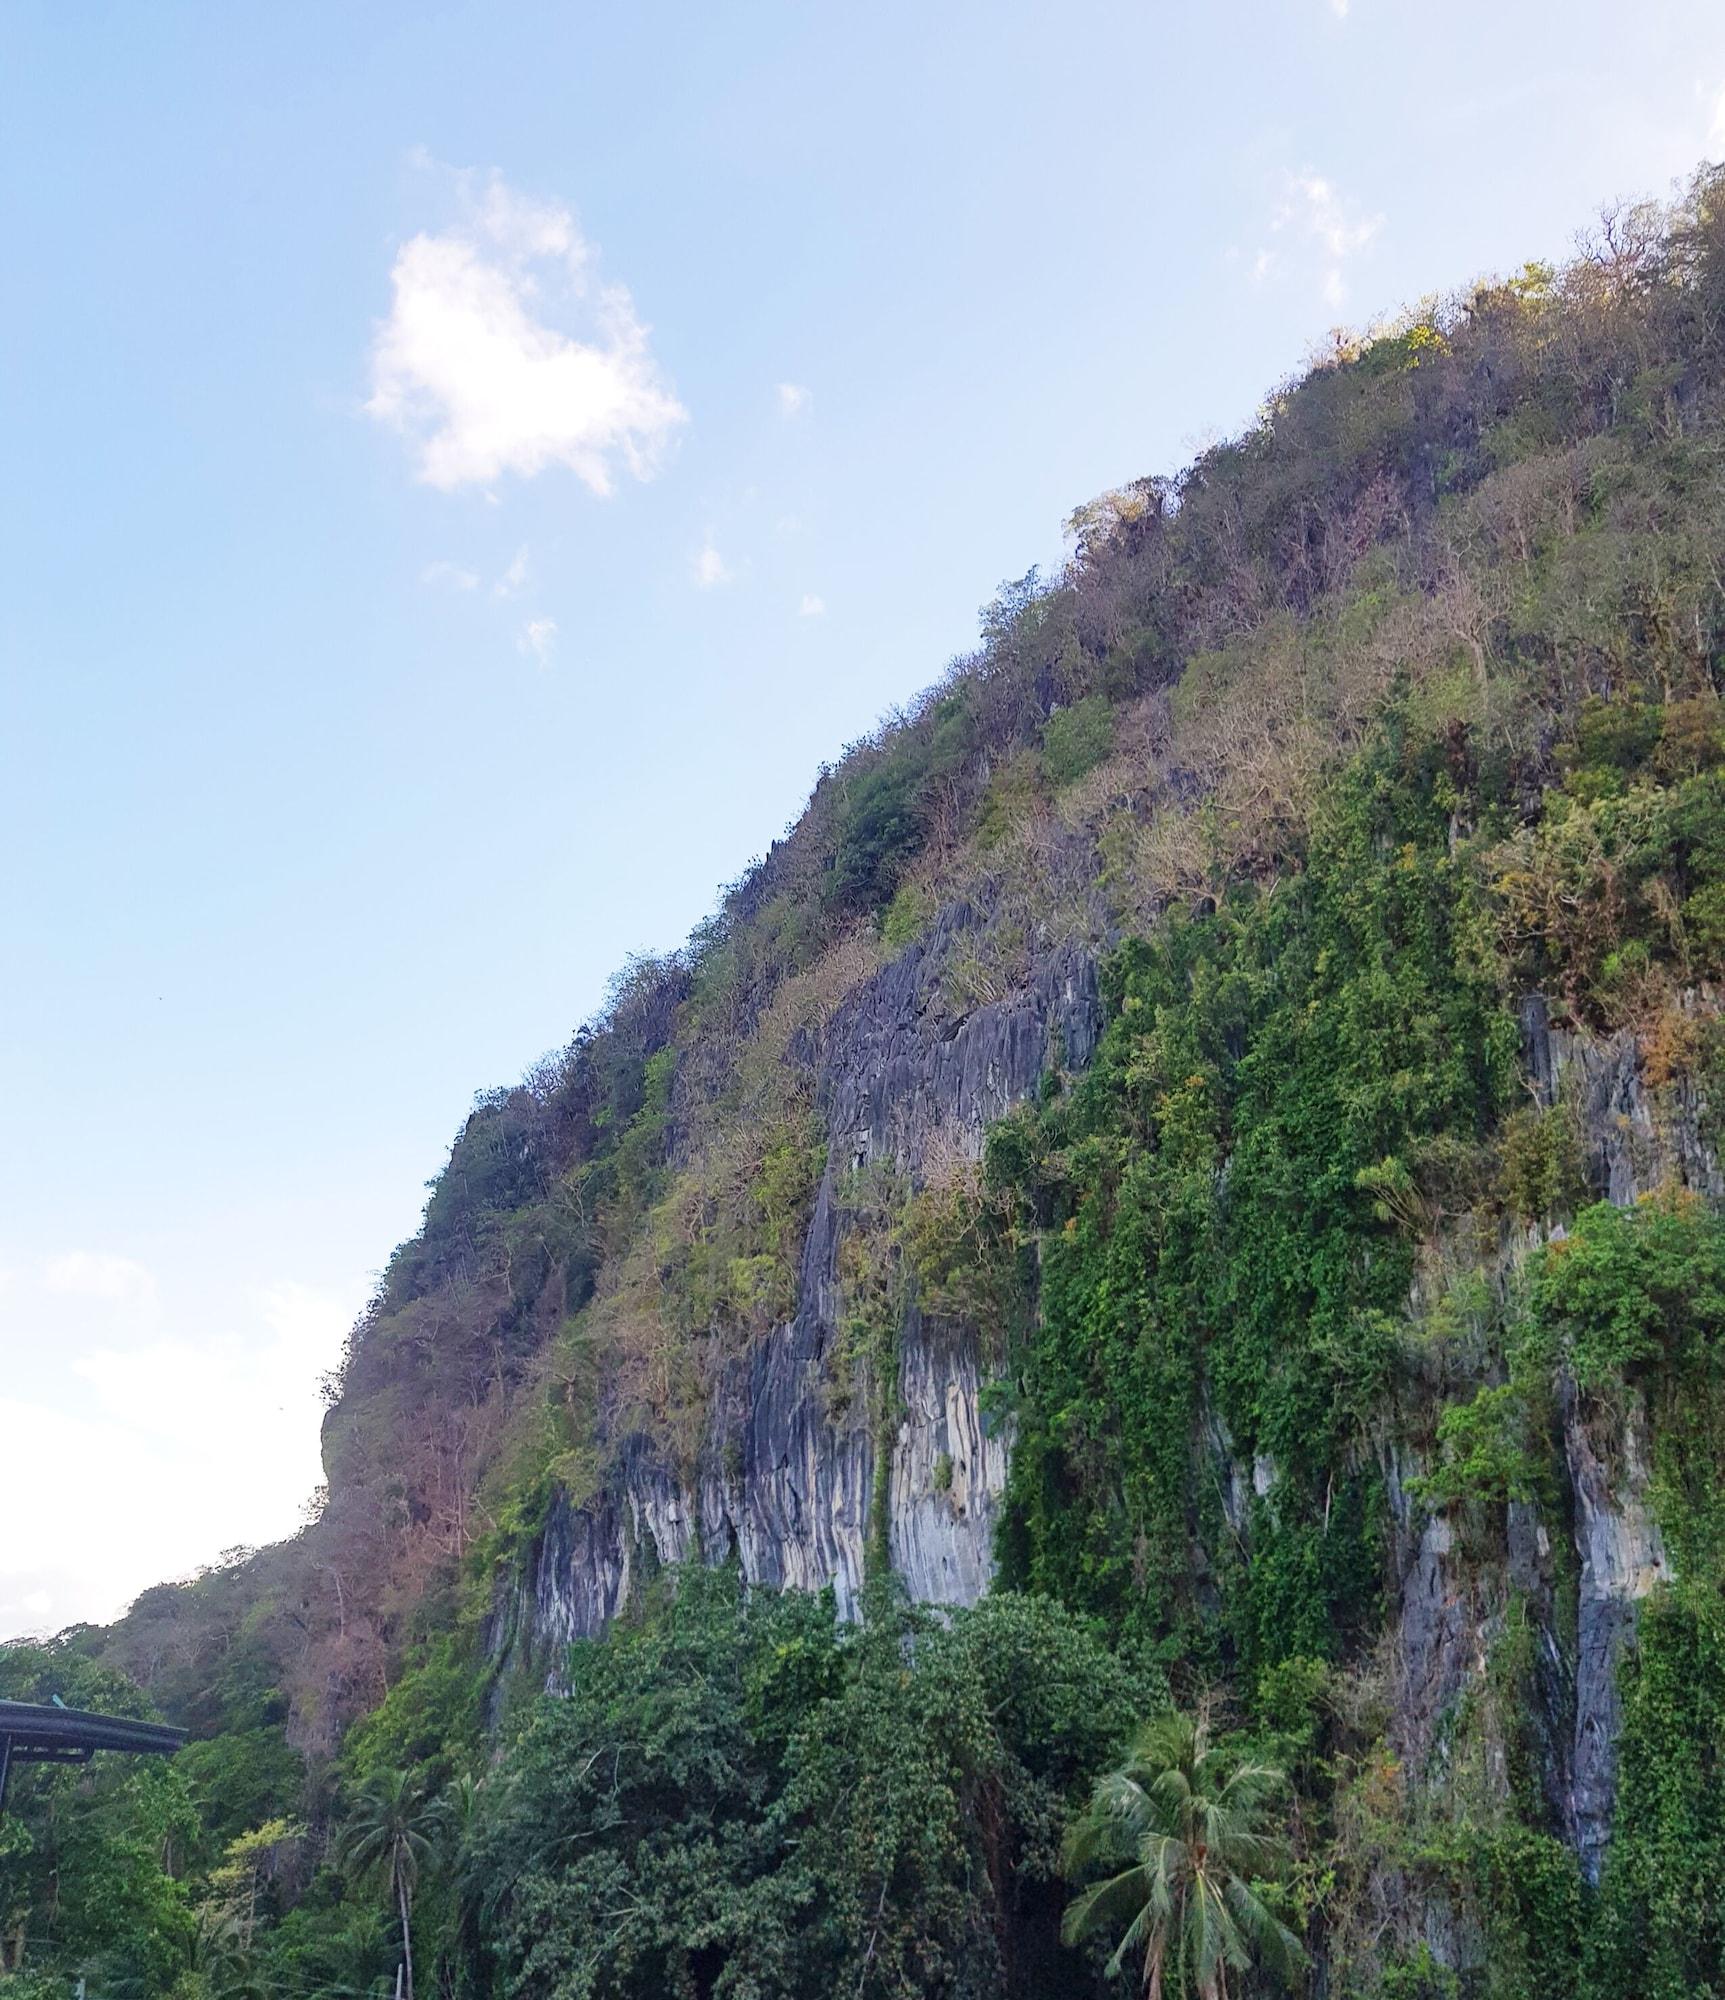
[451, 574]
[1314, 206]
[88, 1274]
[183, 1443]
[503, 353]
[186, 1390]
[812, 606]
[1315, 215]
[537, 640]
[1340, 9]
[513, 577]
[709, 568]
[794, 399]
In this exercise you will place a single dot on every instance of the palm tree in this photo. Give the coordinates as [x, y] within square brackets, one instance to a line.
[393, 1830]
[215, 1965]
[1186, 1821]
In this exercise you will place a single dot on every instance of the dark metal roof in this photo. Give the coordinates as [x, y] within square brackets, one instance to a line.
[37, 1735]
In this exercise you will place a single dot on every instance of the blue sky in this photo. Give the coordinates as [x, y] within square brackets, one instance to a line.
[467, 465]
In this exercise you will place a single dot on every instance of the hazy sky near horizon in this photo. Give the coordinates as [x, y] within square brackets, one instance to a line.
[468, 464]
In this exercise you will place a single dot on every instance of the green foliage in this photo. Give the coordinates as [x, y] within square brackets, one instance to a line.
[906, 916]
[1618, 890]
[1528, 1887]
[882, 817]
[936, 1786]
[641, 1150]
[1544, 1172]
[737, 1797]
[87, 1876]
[1212, 1221]
[1075, 739]
[1633, 1289]
[1484, 1452]
[1661, 1928]
[959, 1245]
[428, 1724]
[1612, 740]
[625, 1836]
[1633, 1303]
[239, 1779]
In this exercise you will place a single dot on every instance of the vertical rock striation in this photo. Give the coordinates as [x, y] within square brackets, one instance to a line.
[785, 1485]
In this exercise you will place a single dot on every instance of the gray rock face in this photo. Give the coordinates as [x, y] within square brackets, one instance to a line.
[1622, 1559]
[786, 1482]
[899, 1069]
[1441, 1631]
[1450, 1606]
[948, 1472]
[1636, 1139]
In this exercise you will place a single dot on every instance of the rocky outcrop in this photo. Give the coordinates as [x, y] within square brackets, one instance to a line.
[1636, 1139]
[786, 1482]
[948, 1471]
[1451, 1601]
[899, 1068]
[1622, 1559]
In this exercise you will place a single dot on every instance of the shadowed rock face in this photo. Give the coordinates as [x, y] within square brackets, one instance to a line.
[1622, 1558]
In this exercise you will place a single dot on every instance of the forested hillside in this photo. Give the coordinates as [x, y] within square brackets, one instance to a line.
[1167, 1236]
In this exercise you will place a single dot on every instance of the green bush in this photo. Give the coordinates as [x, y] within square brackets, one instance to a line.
[1633, 1289]
[906, 916]
[1544, 1173]
[1484, 1453]
[1076, 739]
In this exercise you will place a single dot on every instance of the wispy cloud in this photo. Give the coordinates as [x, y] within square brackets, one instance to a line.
[452, 576]
[794, 399]
[1314, 218]
[513, 577]
[812, 606]
[87, 1274]
[537, 640]
[710, 568]
[504, 353]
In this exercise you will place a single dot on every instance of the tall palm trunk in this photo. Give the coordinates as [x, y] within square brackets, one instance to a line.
[404, 1907]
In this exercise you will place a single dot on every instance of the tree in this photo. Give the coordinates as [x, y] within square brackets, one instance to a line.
[393, 1830]
[250, 1861]
[631, 1842]
[1187, 1820]
[218, 1963]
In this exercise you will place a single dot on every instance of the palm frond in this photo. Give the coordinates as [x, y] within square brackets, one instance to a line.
[1107, 1902]
[1192, 1819]
[1274, 1943]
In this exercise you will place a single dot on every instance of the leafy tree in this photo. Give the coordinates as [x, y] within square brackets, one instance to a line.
[1187, 1820]
[931, 1792]
[250, 1861]
[631, 1843]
